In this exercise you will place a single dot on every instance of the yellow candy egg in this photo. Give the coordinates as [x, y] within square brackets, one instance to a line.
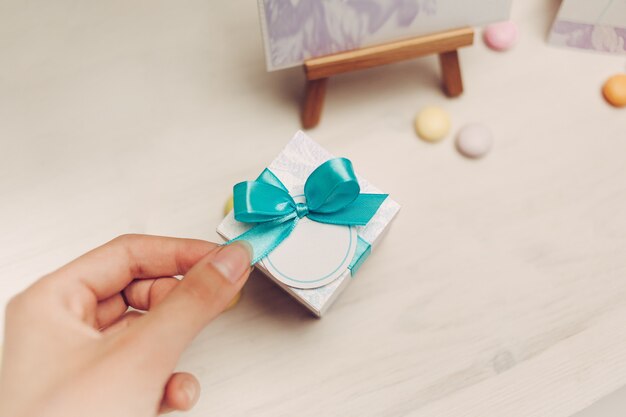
[228, 206]
[432, 124]
[614, 90]
[234, 301]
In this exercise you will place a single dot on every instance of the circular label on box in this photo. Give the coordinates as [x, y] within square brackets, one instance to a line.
[313, 255]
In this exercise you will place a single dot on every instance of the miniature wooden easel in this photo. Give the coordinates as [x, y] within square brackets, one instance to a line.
[445, 44]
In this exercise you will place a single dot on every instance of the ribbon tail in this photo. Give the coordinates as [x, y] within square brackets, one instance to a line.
[265, 237]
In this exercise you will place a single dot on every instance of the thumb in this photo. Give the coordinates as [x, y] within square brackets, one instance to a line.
[202, 294]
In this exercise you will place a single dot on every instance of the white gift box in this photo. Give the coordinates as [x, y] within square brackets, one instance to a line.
[317, 261]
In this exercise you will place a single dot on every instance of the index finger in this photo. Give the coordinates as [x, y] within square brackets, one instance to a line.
[108, 269]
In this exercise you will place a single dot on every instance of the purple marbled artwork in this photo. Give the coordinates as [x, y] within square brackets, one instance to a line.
[295, 30]
[300, 29]
[588, 36]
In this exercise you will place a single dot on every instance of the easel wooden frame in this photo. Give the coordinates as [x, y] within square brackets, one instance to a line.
[446, 44]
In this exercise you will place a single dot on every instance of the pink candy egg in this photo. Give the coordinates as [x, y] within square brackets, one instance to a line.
[501, 36]
[474, 140]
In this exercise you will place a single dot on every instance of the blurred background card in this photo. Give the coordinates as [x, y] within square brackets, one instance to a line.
[597, 25]
[295, 30]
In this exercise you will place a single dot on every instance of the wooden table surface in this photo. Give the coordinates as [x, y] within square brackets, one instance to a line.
[500, 289]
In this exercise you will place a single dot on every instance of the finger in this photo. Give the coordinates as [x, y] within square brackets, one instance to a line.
[122, 323]
[111, 267]
[140, 294]
[181, 393]
[110, 310]
[203, 293]
[144, 294]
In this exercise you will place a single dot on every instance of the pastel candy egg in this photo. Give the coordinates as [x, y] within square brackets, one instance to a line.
[614, 90]
[474, 140]
[234, 301]
[501, 36]
[432, 123]
[228, 206]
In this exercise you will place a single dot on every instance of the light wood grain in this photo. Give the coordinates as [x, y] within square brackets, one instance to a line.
[317, 70]
[451, 73]
[359, 59]
[314, 94]
[500, 289]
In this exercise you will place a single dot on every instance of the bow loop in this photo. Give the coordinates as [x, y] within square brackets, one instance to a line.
[256, 202]
[332, 186]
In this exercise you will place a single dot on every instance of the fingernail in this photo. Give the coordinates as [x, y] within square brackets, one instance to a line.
[191, 391]
[233, 260]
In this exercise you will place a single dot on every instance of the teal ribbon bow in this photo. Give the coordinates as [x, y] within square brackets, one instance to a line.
[332, 195]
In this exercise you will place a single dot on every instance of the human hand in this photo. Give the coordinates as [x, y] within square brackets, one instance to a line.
[73, 349]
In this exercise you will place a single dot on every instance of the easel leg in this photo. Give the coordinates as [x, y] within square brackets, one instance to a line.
[451, 73]
[313, 102]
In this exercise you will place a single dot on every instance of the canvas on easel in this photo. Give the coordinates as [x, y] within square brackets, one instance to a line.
[296, 30]
[329, 37]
